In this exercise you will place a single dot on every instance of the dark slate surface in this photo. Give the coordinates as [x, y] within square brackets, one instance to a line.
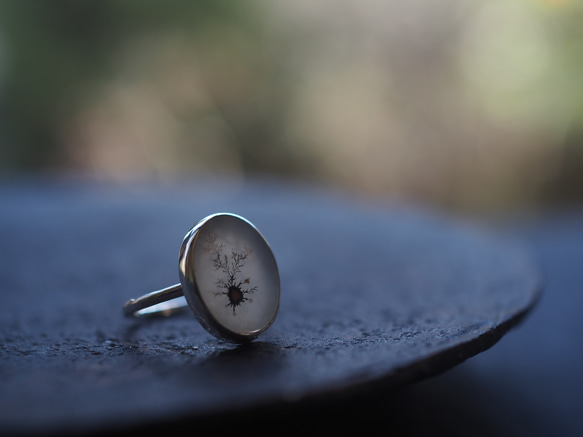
[530, 384]
[373, 297]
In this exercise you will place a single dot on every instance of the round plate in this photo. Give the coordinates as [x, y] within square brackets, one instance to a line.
[372, 297]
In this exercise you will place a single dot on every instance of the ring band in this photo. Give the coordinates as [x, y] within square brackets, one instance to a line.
[228, 277]
[160, 302]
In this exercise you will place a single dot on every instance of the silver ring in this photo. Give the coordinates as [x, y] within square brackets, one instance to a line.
[229, 277]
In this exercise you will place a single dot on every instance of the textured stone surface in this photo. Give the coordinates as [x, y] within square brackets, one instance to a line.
[372, 296]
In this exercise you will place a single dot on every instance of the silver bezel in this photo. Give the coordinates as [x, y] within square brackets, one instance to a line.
[191, 290]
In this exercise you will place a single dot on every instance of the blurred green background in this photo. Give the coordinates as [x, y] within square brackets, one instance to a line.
[466, 105]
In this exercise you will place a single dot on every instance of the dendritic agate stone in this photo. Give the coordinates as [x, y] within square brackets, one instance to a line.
[229, 277]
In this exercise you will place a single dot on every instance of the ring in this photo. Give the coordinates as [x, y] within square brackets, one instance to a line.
[229, 277]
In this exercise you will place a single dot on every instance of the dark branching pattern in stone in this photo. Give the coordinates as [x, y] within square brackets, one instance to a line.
[234, 284]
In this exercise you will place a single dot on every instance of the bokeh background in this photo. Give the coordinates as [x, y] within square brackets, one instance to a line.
[473, 106]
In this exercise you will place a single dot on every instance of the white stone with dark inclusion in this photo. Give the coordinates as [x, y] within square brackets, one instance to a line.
[236, 274]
